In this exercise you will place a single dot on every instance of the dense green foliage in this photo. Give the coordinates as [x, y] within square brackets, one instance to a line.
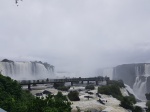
[63, 88]
[58, 103]
[117, 83]
[127, 102]
[91, 87]
[57, 85]
[148, 105]
[14, 99]
[113, 88]
[137, 109]
[147, 96]
[73, 96]
[110, 90]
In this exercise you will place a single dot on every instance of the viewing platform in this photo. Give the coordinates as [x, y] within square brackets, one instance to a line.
[72, 80]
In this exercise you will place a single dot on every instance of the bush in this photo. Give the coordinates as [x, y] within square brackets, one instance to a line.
[57, 103]
[117, 83]
[127, 103]
[113, 90]
[73, 96]
[63, 88]
[57, 85]
[91, 87]
[137, 109]
[148, 104]
[147, 96]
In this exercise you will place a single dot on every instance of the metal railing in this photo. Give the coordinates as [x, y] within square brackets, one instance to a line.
[44, 81]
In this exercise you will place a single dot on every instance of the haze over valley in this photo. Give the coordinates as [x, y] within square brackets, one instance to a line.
[76, 36]
[57, 39]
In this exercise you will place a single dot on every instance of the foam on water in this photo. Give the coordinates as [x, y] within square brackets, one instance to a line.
[139, 86]
[130, 90]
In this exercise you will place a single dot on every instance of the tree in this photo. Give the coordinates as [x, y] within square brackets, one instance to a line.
[14, 99]
[148, 105]
[58, 103]
[56, 85]
[126, 103]
[73, 96]
[137, 109]
[113, 90]
[91, 87]
[63, 88]
[147, 96]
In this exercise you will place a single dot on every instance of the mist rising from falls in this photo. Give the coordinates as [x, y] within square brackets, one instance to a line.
[108, 72]
[26, 70]
[140, 85]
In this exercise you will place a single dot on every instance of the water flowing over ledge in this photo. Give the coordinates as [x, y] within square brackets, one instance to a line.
[26, 70]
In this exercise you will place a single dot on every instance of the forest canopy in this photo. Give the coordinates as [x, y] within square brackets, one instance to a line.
[14, 99]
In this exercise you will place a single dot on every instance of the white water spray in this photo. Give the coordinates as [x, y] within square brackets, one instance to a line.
[139, 86]
[26, 70]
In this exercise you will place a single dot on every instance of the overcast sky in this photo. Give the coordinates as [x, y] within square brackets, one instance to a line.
[76, 34]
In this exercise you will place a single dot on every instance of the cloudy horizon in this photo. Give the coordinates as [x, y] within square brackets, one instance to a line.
[76, 35]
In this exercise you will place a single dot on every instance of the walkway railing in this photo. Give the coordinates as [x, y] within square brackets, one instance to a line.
[45, 81]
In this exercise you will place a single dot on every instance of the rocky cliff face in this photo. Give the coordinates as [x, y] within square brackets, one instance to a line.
[128, 72]
[148, 84]
[26, 69]
[137, 76]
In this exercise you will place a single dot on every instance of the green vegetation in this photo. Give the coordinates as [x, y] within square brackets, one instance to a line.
[117, 83]
[148, 105]
[58, 103]
[91, 87]
[148, 102]
[127, 103]
[110, 90]
[63, 88]
[137, 109]
[113, 88]
[14, 99]
[147, 96]
[57, 85]
[73, 96]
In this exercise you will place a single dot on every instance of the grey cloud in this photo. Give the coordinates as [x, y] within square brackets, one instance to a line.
[76, 35]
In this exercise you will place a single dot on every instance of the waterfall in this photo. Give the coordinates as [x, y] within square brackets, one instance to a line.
[26, 70]
[130, 90]
[147, 69]
[139, 86]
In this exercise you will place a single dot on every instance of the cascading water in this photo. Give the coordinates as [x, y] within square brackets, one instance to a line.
[139, 86]
[26, 70]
